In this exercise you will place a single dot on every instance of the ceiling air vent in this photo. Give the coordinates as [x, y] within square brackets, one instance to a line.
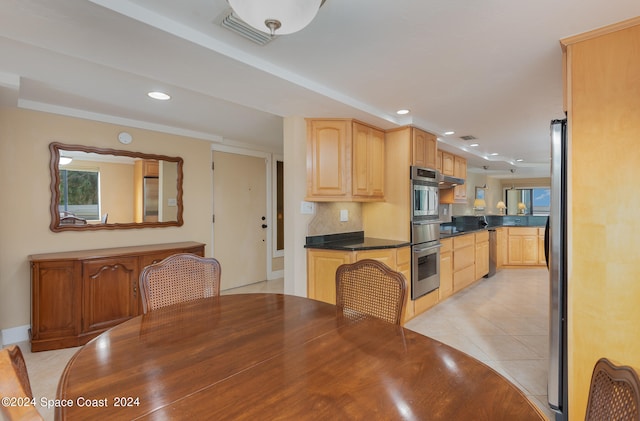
[235, 24]
[468, 137]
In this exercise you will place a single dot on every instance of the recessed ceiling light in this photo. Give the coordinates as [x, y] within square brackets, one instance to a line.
[519, 160]
[159, 95]
[448, 133]
[474, 144]
[402, 112]
[495, 154]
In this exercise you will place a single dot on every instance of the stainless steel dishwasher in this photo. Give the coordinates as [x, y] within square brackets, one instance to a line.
[493, 252]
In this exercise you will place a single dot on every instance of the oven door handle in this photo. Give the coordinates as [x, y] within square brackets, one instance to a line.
[417, 250]
[427, 222]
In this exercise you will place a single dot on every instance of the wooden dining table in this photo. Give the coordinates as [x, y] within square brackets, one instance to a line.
[278, 357]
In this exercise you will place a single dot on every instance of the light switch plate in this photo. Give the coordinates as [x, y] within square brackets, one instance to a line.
[344, 215]
[307, 208]
[172, 202]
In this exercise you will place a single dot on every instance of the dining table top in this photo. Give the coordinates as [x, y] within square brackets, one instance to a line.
[278, 357]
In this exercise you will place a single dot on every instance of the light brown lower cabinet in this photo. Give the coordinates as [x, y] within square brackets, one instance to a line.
[470, 259]
[79, 294]
[482, 254]
[464, 257]
[524, 246]
[322, 265]
[446, 268]
[462, 262]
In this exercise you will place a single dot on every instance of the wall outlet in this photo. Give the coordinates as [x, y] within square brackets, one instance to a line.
[307, 208]
[344, 215]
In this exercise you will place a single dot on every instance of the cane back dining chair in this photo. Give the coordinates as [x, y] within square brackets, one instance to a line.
[370, 287]
[14, 383]
[614, 393]
[178, 278]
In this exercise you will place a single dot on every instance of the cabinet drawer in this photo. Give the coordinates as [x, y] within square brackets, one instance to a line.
[463, 241]
[523, 231]
[463, 258]
[463, 278]
[482, 236]
[386, 256]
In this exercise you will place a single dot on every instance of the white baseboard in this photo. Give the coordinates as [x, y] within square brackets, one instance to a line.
[14, 335]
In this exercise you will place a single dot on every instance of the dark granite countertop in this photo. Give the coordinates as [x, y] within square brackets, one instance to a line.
[448, 232]
[469, 224]
[352, 241]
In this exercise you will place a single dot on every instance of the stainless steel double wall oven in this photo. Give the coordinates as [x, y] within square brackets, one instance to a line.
[425, 232]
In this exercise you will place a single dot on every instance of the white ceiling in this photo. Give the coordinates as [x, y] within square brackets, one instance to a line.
[491, 68]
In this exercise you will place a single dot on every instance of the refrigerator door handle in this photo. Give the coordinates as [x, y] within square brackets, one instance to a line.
[546, 243]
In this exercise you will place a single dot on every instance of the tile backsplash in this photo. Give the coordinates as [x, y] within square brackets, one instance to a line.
[327, 218]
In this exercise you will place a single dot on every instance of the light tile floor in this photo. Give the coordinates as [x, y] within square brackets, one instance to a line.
[502, 321]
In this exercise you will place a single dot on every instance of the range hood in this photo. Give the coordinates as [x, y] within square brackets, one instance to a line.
[449, 182]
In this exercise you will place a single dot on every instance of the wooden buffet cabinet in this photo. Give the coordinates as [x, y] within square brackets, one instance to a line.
[77, 295]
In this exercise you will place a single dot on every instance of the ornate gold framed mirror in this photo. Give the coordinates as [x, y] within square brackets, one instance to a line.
[99, 188]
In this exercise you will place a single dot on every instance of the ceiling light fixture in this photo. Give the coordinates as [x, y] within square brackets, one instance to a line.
[495, 154]
[159, 95]
[474, 144]
[402, 112]
[519, 160]
[449, 133]
[64, 160]
[283, 16]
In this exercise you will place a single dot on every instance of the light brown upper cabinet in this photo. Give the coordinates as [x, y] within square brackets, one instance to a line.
[460, 171]
[456, 166]
[448, 163]
[424, 147]
[345, 161]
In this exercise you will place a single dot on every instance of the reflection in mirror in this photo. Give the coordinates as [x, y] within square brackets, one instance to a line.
[97, 188]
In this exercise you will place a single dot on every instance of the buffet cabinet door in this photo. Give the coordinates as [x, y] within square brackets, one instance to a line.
[110, 292]
[55, 292]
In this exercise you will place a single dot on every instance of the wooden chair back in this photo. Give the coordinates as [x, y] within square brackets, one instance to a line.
[614, 393]
[178, 278]
[14, 383]
[370, 287]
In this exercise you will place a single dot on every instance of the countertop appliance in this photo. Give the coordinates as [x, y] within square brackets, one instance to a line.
[425, 232]
[555, 253]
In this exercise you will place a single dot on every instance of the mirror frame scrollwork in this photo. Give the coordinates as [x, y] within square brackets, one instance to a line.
[55, 226]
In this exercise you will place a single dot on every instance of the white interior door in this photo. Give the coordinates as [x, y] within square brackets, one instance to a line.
[240, 209]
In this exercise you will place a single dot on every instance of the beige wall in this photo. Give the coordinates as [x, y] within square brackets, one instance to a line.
[295, 190]
[24, 174]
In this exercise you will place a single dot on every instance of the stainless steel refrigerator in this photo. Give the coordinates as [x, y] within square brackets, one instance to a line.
[151, 192]
[556, 254]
